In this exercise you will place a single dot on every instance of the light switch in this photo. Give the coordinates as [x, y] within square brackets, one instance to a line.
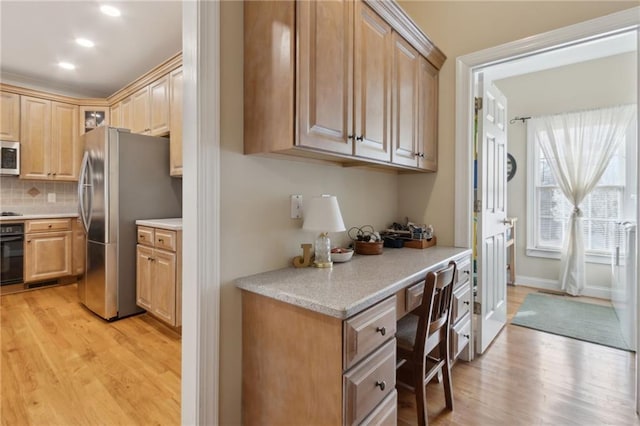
[51, 197]
[296, 206]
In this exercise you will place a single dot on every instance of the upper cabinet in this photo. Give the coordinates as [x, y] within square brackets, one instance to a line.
[50, 148]
[9, 117]
[175, 102]
[351, 90]
[92, 117]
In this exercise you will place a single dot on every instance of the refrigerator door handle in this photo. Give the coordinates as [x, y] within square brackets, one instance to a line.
[82, 190]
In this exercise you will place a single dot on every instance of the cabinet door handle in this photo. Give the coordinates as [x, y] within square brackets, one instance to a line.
[54, 173]
[349, 137]
[381, 330]
[381, 385]
[359, 138]
[49, 174]
[466, 335]
[161, 240]
[466, 302]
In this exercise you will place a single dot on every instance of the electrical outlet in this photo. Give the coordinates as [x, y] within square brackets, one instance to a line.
[296, 206]
[51, 197]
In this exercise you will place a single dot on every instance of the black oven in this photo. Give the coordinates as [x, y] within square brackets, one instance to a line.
[12, 251]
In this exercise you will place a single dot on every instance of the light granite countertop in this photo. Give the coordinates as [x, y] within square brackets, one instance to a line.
[36, 216]
[349, 288]
[172, 224]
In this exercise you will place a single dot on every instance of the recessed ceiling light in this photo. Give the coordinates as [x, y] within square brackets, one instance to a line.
[109, 10]
[66, 65]
[85, 42]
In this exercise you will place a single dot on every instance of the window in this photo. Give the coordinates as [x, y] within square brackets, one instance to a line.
[608, 204]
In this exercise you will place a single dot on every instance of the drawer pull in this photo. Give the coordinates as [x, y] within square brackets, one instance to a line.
[381, 330]
[142, 237]
[466, 302]
[161, 240]
[466, 336]
[381, 385]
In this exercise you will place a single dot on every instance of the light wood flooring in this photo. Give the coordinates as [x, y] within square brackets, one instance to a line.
[528, 377]
[62, 365]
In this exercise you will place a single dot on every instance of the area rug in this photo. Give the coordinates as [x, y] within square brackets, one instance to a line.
[565, 317]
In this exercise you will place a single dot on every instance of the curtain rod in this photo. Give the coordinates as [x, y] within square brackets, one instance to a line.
[517, 118]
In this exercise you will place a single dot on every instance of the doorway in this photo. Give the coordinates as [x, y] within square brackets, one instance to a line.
[466, 66]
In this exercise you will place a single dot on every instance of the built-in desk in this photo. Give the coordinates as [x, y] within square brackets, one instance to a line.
[319, 344]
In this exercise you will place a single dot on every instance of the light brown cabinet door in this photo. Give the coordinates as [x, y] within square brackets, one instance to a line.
[9, 117]
[144, 276]
[140, 111]
[35, 131]
[126, 113]
[175, 146]
[405, 103]
[372, 81]
[47, 255]
[428, 117]
[159, 108]
[325, 75]
[115, 115]
[65, 150]
[163, 296]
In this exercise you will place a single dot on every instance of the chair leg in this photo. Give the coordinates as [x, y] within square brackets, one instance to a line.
[421, 399]
[446, 372]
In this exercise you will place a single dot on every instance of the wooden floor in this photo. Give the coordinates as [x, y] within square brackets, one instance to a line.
[63, 365]
[530, 378]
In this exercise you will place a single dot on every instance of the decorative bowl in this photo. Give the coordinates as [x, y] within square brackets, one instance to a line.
[341, 255]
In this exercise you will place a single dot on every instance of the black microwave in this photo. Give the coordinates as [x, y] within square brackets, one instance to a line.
[9, 158]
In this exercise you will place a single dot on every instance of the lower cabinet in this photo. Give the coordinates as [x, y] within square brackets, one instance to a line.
[317, 369]
[48, 249]
[159, 272]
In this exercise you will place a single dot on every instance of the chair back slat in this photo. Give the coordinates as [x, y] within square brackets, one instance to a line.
[435, 309]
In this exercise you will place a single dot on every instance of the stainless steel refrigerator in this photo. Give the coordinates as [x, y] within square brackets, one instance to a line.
[124, 177]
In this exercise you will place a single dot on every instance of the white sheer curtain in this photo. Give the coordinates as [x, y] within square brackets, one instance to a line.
[578, 147]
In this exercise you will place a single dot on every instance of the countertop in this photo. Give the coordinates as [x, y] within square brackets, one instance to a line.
[350, 287]
[36, 216]
[172, 224]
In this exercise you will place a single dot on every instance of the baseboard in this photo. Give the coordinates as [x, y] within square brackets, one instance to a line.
[554, 286]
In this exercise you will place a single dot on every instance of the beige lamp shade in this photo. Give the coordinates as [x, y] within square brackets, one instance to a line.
[322, 214]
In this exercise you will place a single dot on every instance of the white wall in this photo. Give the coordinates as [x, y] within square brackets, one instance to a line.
[256, 232]
[585, 85]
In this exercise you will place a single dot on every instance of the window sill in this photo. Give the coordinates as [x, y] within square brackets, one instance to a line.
[604, 259]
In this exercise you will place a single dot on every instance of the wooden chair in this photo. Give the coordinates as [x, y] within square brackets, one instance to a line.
[423, 340]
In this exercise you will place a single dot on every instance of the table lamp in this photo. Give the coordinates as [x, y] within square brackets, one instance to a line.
[322, 214]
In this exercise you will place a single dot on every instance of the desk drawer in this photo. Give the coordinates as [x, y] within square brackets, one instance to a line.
[368, 330]
[460, 334]
[461, 302]
[369, 383]
[385, 414]
[413, 296]
[464, 271]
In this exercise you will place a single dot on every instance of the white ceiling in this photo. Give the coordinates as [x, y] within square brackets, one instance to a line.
[36, 35]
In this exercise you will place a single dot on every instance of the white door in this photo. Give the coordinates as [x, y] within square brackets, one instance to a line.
[492, 206]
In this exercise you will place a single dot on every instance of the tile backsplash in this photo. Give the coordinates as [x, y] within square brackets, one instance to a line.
[32, 197]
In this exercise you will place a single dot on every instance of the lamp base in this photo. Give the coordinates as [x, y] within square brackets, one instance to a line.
[323, 264]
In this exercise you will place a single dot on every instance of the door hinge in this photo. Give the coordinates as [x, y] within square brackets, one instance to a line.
[477, 205]
[478, 103]
[477, 308]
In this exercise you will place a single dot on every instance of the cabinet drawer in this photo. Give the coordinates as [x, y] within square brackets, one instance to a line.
[368, 330]
[369, 383]
[47, 225]
[461, 302]
[460, 334]
[145, 236]
[413, 296]
[165, 240]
